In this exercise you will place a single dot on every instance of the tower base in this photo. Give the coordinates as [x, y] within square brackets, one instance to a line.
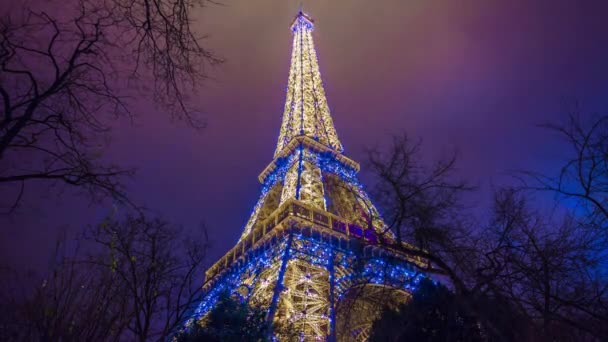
[317, 282]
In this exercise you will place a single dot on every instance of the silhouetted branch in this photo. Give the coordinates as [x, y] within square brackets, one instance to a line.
[61, 85]
[137, 280]
[538, 268]
[583, 178]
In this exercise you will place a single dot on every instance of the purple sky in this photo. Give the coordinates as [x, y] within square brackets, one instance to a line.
[475, 76]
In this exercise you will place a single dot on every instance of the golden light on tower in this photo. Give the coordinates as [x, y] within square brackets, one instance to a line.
[314, 235]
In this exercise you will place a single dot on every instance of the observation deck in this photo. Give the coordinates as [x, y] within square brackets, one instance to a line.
[309, 221]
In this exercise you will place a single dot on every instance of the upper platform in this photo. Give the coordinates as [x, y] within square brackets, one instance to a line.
[310, 144]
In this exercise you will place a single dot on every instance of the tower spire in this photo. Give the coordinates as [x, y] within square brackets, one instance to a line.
[306, 112]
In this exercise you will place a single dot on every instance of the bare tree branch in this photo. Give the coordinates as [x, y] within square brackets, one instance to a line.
[62, 85]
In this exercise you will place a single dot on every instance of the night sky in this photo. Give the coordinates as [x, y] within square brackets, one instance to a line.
[472, 76]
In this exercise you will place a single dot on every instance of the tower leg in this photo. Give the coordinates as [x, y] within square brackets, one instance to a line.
[332, 306]
[279, 286]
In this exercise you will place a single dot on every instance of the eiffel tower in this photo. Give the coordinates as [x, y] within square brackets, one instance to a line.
[315, 251]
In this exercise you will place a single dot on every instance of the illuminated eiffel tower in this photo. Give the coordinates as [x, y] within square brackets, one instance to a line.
[315, 252]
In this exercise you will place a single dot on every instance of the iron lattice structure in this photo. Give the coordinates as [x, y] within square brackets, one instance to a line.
[315, 251]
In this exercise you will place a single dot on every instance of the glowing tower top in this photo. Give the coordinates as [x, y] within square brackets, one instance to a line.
[306, 111]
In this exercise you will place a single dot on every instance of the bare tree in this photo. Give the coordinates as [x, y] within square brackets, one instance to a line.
[580, 184]
[161, 40]
[137, 282]
[70, 303]
[528, 264]
[583, 178]
[63, 82]
[422, 205]
[161, 273]
[548, 269]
